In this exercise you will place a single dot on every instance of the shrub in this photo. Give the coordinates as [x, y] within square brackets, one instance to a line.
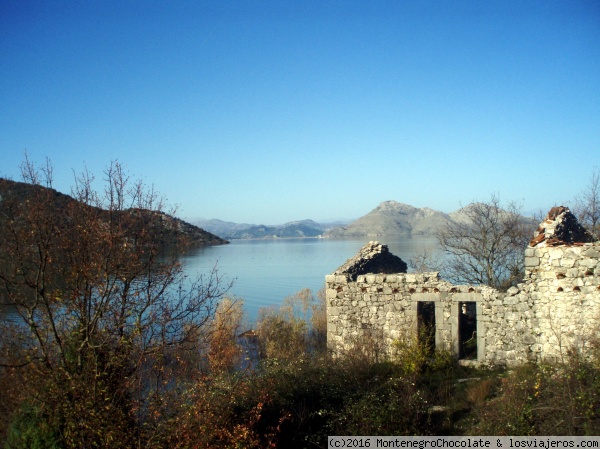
[559, 399]
[224, 352]
[33, 429]
[395, 406]
[299, 326]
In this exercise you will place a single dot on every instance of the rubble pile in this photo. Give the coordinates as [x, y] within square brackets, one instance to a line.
[560, 228]
[372, 258]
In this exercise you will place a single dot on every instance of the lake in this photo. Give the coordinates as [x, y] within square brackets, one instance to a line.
[267, 271]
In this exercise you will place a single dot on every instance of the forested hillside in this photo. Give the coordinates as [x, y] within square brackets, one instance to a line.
[15, 195]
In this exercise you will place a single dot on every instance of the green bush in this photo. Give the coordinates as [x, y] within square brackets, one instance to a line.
[544, 399]
[394, 406]
[33, 429]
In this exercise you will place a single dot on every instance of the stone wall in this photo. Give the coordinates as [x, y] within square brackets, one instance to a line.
[555, 309]
[563, 285]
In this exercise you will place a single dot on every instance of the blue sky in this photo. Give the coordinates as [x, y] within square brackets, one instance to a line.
[272, 111]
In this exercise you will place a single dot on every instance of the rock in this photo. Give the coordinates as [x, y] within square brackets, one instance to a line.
[559, 228]
[539, 239]
[373, 258]
[513, 290]
[569, 230]
[555, 212]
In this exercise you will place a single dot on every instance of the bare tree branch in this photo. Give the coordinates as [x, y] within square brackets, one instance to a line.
[487, 246]
[103, 306]
[587, 205]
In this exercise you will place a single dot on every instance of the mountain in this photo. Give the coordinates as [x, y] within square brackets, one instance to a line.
[174, 227]
[393, 218]
[224, 229]
[292, 229]
[389, 218]
[465, 214]
[302, 228]
[170, 229]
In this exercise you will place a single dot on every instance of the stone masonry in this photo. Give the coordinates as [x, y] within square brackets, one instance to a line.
[555, 310]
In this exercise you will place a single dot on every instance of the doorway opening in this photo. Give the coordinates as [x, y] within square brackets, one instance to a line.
[426, 325]
[467, 330]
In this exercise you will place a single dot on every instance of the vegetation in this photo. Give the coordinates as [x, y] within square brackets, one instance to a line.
[485, 245]
[294, 394]
[169, 229]
[486, 248]
[103, 313]
[113, 349]
[587, 205]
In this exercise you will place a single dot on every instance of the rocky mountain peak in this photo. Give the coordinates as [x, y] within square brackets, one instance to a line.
[394, 206]
[393, 218]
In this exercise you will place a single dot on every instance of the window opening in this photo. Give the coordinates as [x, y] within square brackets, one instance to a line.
[426, 324]
[467, 330]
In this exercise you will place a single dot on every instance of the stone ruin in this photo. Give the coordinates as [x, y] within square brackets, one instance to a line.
[560, 228]
[372, 258]
[556, 309]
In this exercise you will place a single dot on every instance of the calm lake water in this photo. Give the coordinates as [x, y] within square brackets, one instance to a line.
[267, 271]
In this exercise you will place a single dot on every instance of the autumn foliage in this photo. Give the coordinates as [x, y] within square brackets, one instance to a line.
[100, 309]
[106, 344]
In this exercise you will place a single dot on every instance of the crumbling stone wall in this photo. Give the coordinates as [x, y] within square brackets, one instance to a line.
[563, 283]
[555, 309]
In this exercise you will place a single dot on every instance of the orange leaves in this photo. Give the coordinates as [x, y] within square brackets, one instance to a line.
[209, 419]
[105, 327]
[224, 351]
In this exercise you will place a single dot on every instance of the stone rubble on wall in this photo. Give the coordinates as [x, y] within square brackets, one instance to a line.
[372, 258]
[560, 227]
[556, 309]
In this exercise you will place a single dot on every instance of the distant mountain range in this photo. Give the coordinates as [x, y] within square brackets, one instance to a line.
[389, 218]
[293, 229]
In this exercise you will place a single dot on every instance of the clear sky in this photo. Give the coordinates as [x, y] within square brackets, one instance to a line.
[272, 111]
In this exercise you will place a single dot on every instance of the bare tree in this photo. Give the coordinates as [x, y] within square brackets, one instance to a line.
[587, 205]
[486, 246]
[100, 308]
[425, 261]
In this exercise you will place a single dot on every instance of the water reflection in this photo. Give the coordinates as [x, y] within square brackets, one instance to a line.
[267, 271]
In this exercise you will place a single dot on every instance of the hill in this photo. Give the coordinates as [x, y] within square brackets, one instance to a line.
[170, 229]
[393, 218]
[224, 229]
[464, 215]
